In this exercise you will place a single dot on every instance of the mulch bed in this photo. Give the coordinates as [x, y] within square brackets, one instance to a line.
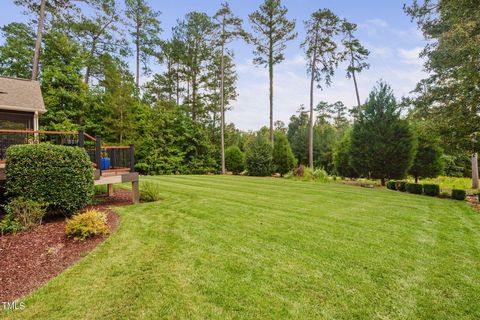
[29, 259]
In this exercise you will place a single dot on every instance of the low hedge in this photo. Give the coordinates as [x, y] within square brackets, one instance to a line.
[431, 189]
[59, 176]
[415, 188]
[459, 194]
[400, 185]
[391, 185]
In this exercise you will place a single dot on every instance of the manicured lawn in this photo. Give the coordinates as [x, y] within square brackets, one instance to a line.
[265, 248]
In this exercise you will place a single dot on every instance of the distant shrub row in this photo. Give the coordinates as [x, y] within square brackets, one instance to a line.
[428, 189]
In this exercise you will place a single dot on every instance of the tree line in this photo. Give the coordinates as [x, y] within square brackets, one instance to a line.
[177, 117]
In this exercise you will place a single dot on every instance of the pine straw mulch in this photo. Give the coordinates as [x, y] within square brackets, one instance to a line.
[29, 259]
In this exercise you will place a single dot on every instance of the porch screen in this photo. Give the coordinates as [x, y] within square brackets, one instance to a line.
[16, 120]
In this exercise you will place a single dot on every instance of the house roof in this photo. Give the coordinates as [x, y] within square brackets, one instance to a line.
[21, 95]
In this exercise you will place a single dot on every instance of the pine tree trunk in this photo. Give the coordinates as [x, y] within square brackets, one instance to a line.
[270, 77]
[38, 42]
[222, 109]
[355, 82]
[178, 83]
[310, 126]
[475, 171]
[137, 58]
[382, 181]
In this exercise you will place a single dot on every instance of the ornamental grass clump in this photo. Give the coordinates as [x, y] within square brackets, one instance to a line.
[150, 192]
[87, 224]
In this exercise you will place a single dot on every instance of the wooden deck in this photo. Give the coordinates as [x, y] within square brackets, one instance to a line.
[121, 158]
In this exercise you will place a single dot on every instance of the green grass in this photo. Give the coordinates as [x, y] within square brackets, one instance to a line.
[226, 247]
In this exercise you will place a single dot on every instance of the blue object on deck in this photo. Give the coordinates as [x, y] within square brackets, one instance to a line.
[105, 164]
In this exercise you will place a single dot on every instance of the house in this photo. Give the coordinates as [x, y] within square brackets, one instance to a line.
[21, 104]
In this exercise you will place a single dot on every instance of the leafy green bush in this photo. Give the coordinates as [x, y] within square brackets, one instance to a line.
[27, 213]
[259, 157]
[391, 185]
[150, 191]
[59, 176]
[10, 225]
[87, 224]
[431, 189]
[459, 194]
[234, 160]
[401, 186]
[320, 175]
[415, 188]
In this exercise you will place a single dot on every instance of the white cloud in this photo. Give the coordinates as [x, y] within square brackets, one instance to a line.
[411, 56]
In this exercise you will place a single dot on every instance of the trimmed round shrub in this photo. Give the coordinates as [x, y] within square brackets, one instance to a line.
[391, 185]
[459, 194]
[260, 157]
[87, 224]
[401, 186]
[415, 188]
[59, 176]
[234, 160]
[431, 189]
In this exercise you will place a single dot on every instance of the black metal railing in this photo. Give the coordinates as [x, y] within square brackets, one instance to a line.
[104, 157]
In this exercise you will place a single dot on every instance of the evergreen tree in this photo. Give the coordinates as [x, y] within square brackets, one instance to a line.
[259, 156]
[144, 30]
[99, 36]
[356, 53]
[283, 159]
[64, 92]
[272, 31]
[16, 52]
[195, 33]
[323, 57]
[234, 160]
[428, 161]
[382, 145]
[229, 27]
[342, 157]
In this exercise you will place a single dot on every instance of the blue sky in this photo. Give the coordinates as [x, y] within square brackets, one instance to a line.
[383, 28]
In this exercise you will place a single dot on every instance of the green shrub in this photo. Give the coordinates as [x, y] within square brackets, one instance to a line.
[27, 213]
[259, 157]
[321, 175]
[10, 225]
[150, 191]
[283, 158]
[234, 160]
[391, 185]
[401, 186]
[459, 194]
[59, 176]
[431, 189]
[87, 224]
[415, 188]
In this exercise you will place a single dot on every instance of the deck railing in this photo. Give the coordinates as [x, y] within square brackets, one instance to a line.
[121, 158]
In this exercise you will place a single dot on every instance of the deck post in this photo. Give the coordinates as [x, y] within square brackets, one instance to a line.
[135, 192]
[98, 153]
[132, 158]
[81, 138]
[110, 192]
